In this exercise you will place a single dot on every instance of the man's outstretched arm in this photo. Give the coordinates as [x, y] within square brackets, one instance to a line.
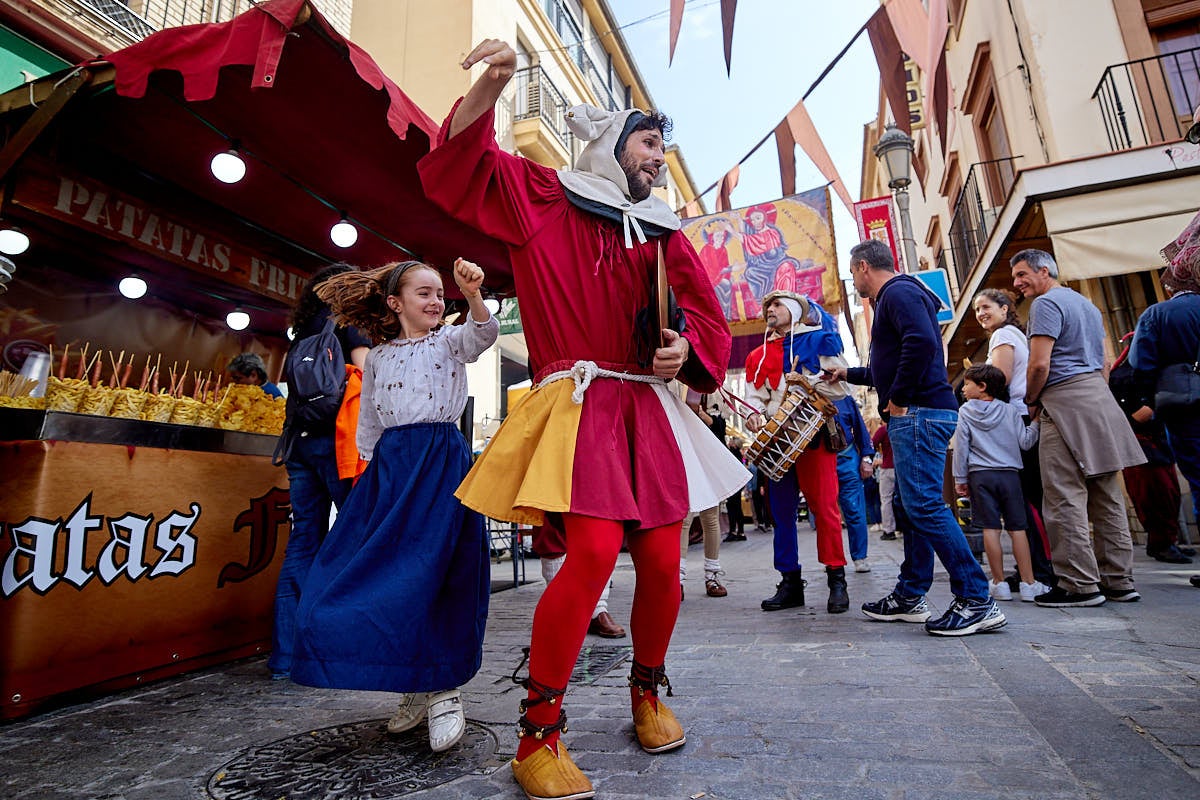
[486, 90]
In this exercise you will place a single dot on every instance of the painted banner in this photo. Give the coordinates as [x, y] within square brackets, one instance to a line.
[119, 564]
[784, 244]
[877, 220]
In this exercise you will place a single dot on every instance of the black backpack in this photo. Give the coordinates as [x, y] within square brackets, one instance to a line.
[316, 380]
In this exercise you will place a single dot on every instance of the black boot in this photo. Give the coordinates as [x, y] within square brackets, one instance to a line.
[788, 594]
[839, 601]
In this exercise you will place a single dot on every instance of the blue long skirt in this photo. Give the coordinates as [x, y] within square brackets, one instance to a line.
[397, 597]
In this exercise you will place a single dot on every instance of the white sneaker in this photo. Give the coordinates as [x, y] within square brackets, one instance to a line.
[999, 590]
[1031, 590]
[862, 565]
[446, 721]
[410, 712]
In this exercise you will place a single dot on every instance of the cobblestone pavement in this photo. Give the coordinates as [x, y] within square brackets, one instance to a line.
[1076, 703]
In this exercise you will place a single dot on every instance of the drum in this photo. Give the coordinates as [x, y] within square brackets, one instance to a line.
[799, 419]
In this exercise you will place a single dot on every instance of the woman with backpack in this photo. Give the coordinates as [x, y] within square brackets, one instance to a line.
[397, 597]
[307, 451]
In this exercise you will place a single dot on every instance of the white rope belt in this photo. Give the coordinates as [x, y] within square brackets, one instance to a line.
[584, 372]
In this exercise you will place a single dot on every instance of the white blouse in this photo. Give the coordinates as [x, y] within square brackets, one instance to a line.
[406, 381]
[1012, 335]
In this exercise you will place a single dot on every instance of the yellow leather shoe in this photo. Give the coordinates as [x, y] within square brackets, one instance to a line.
[545, 777]
[657, 731]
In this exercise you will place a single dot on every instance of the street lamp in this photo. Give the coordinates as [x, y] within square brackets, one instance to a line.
[895, 150]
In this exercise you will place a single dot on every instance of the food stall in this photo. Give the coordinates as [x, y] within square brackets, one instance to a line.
[143, 524]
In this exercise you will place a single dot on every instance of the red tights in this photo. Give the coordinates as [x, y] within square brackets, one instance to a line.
[565, 609]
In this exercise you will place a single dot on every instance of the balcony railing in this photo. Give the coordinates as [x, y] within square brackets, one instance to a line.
[569, 31]
[1150, 100]
[538, 98]
[137, 19]
[984, 192]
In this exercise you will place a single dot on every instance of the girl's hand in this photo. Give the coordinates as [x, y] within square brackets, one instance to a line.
[496, 53]
[468, 276]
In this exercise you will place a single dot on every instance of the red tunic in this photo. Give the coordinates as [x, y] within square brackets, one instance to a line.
[580, 289]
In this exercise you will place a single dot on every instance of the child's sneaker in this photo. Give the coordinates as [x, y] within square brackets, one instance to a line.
[1031, 590]
[999, 591]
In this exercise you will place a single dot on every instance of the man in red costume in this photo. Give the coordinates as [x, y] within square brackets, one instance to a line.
[797, 337]
[600, 440]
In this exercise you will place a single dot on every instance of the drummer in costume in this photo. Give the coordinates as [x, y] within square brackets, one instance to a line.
[800, 337]
[601, 441]
[397, 597]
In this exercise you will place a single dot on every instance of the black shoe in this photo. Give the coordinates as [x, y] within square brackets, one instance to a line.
[1014, 582]
[1061, 598]
[888, 536]
[1187, 551]
[1169, 555]
[1121, 595]
[839, 601]
[735, 537]
[789, 593]
[1195, 581]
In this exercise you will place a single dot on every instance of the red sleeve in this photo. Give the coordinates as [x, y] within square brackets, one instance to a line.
[706, 330]
[472, 179]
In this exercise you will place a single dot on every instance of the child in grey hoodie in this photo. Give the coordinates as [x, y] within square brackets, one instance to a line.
[987, 458]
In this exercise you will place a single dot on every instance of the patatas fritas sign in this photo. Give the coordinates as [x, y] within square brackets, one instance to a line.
[119, 564]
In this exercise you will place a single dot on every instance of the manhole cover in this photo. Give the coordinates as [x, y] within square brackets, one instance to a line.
[357, 761]
[596, 660]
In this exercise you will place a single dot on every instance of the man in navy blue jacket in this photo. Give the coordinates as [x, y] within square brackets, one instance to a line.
[908, 371]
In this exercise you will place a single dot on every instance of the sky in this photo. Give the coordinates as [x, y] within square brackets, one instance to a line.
[779, 48]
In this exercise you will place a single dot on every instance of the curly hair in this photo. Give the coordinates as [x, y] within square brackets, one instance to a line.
[360, 298]
[1005, 300]
[309, 305]
[654, 120]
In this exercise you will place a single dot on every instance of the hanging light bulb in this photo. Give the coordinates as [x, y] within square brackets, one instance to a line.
[492, 305]
[343, 233]
[237, 319]
[13, 242]
[228, 167]
[132, 286]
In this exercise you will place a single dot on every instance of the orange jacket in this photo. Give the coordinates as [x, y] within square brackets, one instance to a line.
[345, 444]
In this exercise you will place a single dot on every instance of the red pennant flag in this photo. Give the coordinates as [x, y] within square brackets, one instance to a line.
[785, 143]
[676, 22]
[728, 9]
[911, 26]
[937, 83]
[890, 59]
[728, 184]
[805, 134]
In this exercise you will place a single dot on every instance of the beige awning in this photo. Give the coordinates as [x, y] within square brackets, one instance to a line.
[1121, 230]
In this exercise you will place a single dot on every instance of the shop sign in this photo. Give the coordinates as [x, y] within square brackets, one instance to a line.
[93, 206]
[109, 572]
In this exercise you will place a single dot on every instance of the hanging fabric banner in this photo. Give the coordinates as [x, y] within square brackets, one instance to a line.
[784, 244]
[876, 219]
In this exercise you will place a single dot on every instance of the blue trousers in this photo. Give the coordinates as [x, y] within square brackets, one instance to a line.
[315, 488]
[920, 439]
[852, 500]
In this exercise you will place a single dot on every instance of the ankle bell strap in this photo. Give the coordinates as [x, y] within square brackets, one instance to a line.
[539, 732]
[546, 694]
[649, 679]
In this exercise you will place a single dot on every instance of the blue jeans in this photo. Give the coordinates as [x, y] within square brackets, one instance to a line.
[852, 501]
[315, 488]
[919, 442]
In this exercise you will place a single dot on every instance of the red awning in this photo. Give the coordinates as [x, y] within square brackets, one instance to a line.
[322, 129]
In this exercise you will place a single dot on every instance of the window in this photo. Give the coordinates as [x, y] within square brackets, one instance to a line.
[1179, 46]
[980, 101]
